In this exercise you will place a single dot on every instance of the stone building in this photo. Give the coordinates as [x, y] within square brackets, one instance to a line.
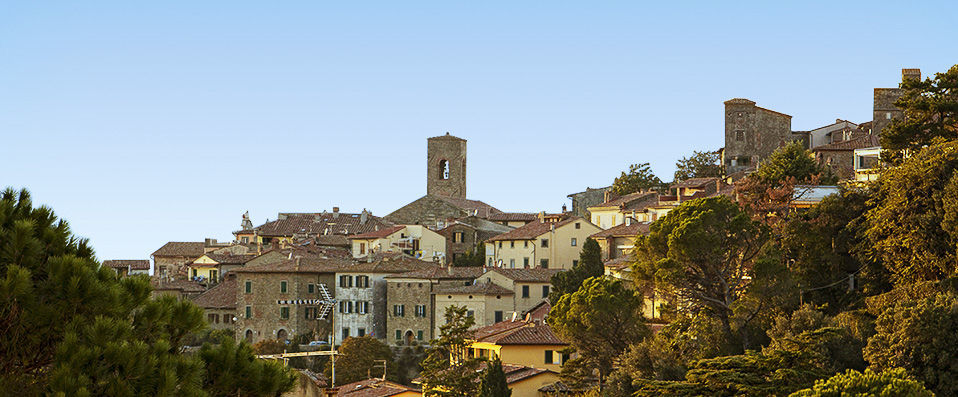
[128, 267]
[463, 235]
[411, 301]
[170, 260]
[840, 156]
[219, 304]
[445, 197]
[284, 299]
[581, 201]
[618, 241]
[361, 294]
[752, 133]
[529, 286]
[884, 110]
[415, 241]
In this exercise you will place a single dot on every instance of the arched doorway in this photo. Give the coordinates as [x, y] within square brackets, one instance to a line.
[408, 338]
[249, 335]
[281, 335]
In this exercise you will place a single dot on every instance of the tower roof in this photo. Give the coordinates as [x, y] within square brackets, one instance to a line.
[447, 136]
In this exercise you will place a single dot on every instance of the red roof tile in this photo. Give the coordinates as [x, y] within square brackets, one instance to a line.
[861, 142]
[532, 230]
[221, 296]
[374, 387]
[179, 248]
[381, 233]
[631, 230]
[133, 264]
[514, 216]
[538, 275]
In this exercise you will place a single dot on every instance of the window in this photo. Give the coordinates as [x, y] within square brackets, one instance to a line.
[345, 281]
[362, 248]
[512, 244]
[500, 244]
[498, 315]
[525, 244]
[213, 318]
[471, 313]
[398, 335]
[311, 288]
[443, 169]
[544, 243]
[548, 358]
[245, 240]
[249, 286]
[545, 291]
[490, 261]
[419, 335]
[284, 312]
[552, 357]
[361, 332]
[282, 287]
[214, 275]
[365, 282]
[544, 263]
[574, 242]
[362, 307]
[349, 306]
[525, 291]
[525, 262]
[345, 333]
[458, 237]
[194, 273]
[420, 310]
[399, 310]
[512, 263]
[578, 225]
[249, 312]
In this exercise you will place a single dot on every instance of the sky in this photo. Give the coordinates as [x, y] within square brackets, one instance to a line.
[141, 123]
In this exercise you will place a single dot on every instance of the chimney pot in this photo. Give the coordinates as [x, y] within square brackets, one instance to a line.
[335, 209]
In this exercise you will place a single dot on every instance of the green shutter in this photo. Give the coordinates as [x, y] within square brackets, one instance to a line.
[249, 287]
[249, 312]
[398, 334]
[282, 287]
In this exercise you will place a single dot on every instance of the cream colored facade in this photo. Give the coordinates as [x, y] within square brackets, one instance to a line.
[528, 355]
[556, 248]
[205, 268]
[483, 307]
[527, 293]
[416, 240]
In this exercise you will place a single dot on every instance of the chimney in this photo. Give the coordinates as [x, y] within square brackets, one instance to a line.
[563, 208]
[628, 221]
[363, 217]
[335, 212]
[910, 74]
[542, 216]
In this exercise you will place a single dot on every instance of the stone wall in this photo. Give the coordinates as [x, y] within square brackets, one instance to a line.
[752, 133]
[266, 321]
[409, 293]
[426, 211]
[589, 198]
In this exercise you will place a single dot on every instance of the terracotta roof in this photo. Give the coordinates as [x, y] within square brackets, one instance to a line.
[320, 223]
[381, 233]
[332, 240]
[629, 200]
[306, 265]
[179, 248]
[388, 264]
[514, 216]
[487, 288]
[538, 275]
[694, 182]
[532, 230]
[870, 140]
[374, 387]
[532, 334]
[227, 259]
[631, 230]
[180, 285]
[540, 311]
[133, 264]
[481, 333]
[221, 296]
[515, 373]
[443, 273]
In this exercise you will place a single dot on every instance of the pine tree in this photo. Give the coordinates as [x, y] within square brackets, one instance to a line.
[590, 265]
[447, 371]
[493, 382]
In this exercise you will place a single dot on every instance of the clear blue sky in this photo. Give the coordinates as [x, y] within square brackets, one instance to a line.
[144, 123]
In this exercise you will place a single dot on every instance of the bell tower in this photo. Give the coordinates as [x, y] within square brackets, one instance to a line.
[446, 166]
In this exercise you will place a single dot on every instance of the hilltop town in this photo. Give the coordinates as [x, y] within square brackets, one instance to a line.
[329, 275]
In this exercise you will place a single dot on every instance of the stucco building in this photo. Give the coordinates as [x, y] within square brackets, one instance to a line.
[464, 234]
[618, 241]
[540, 244]
[413, 240]
[484, 301]
[411, 314]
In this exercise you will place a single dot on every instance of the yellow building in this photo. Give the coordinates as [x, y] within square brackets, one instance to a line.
[414, 240]
[545, 244]
[529, 286]
[618, 241]
[210, 267]
[526, 341]
[615, 210]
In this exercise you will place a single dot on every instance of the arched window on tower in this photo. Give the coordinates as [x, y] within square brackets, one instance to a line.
[443, 169]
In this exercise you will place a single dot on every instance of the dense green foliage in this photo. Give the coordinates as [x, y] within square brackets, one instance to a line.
[793, 161]
[931, 112]
[699, 165]
[600, 321]
[639, 177]
[919, 335]
[913, 227]
[493, 382]
[233, 370]
[890, 383]
[72, 328]
[589, 265]
[447, 371]
[361, 356]
[474, 258]
[701, 252]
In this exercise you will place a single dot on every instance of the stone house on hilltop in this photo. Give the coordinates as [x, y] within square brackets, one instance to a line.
[411, 314]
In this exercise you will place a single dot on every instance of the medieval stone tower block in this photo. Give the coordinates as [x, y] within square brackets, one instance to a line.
[446, 166]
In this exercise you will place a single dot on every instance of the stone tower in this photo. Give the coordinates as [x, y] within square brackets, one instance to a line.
[885, 110]
[446, 166]
[752, 133]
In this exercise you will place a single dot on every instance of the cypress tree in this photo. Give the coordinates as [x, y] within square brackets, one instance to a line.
[493, 382]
